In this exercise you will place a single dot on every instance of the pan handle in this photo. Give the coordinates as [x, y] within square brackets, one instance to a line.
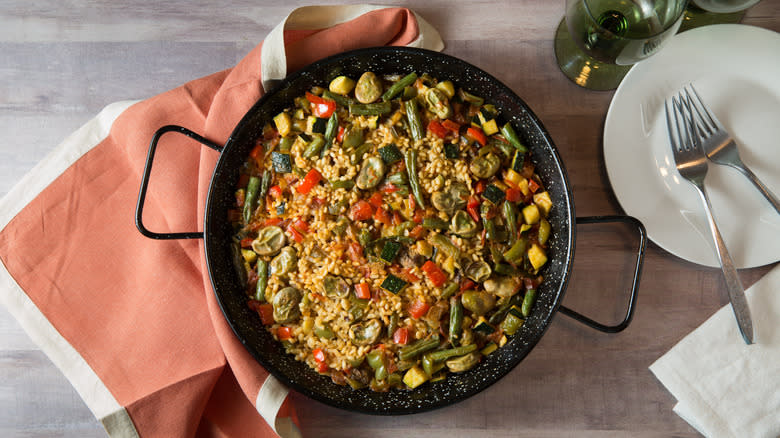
[637, 273]
[145, 183]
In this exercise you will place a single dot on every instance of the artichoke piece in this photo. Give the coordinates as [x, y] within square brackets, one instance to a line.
[365, 333]
[285, 304]
[478, 271]
[269, 241]
[452, 198]
[463, 363]
[485, 166]
[503, 286]
[463, 225]
[371, 173]
[438, 103]
[285, 262]
[368, 88]
[335, 286]
[478, 302]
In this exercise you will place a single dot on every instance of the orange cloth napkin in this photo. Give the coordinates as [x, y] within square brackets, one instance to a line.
[132, 322]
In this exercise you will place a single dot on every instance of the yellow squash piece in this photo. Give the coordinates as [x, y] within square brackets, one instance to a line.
[415, 377]
[283, 123]
[537, 256]
[531, 214]
[542, 199]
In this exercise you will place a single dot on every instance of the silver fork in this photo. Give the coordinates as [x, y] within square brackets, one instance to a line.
[721, 148]
[692, 165]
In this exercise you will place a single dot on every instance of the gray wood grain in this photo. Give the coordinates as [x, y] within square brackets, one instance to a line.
[61, 62]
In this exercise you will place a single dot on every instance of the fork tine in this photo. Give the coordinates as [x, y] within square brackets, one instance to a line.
[711, 123]
[674, 131]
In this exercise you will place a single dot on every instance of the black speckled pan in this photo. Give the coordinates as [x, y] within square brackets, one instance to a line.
[246, 323]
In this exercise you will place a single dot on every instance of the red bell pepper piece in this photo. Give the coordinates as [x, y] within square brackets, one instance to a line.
[377, 200]
[361, 211]
[477, 134]
[533, 186]
[434, 273]
[401, 336]
[513, 195]
[318, 354]
[417, 232]
[284, 333]
[265, 310]
[480, 187]
[320, 107]
[451, 126]
[275, 191]
[294, 234]
[383, 216]
[246, 242]
[355, 252]
[363, 291]
[437, 129]
[301, 225]
[418, 308]
[312, 178]
[272, 221]
[472, 207]
[389, 188]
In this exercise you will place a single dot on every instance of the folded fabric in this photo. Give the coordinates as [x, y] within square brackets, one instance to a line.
[131, 322]
[724, 387]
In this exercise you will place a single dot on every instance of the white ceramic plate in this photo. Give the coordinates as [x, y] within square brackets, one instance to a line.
[736, 70]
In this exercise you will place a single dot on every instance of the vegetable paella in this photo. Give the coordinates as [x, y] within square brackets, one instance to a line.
[390, 230]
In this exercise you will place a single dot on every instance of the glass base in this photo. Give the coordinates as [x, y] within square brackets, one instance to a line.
[581, 68]
[697, 17]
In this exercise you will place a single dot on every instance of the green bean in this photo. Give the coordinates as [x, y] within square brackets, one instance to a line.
[456, 320]
[339, 99]
[488, 224]
[314, 147]
[445, 245]
[392, 325]
[364, 237]
[410, 160]
[370, 109]
[509, 133]
[416, 128]
[528, 302]
[516, 252]
[442, 355]
[398, 179]
[250, 197]
[262, 279]
[449, 290]
[358, 154]
[331, 129]
[434, 223]
[399, 86]
[418, 348]
[324, 332]
[285, 144]
[342, 184]
[265, 185]
[511, 221]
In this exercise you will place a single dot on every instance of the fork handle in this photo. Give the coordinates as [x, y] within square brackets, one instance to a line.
[733, 284]
[761, 187]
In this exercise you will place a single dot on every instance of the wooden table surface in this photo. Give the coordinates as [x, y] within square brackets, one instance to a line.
[61, 62]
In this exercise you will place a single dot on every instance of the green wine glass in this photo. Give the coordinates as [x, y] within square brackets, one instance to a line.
[598, 41]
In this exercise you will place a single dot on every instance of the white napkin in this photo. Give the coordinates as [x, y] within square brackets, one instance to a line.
[724, 387]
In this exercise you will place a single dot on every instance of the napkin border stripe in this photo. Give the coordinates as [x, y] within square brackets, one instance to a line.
[73, 366]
